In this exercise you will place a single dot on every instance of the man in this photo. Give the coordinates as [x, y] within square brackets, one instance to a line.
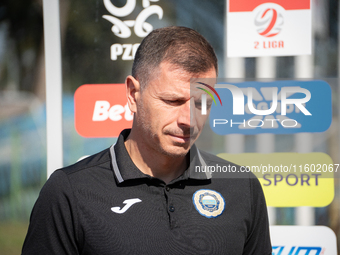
[143, 195]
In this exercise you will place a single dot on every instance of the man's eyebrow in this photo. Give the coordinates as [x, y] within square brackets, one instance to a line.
[173, 95]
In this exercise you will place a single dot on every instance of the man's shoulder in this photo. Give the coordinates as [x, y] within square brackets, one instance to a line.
[221, 168]
[91, 172]
[213, 159]
[100, 160]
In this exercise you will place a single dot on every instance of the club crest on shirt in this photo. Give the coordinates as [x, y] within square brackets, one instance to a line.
[208, 203]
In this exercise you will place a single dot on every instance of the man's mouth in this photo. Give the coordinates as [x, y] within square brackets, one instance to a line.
[181, 138]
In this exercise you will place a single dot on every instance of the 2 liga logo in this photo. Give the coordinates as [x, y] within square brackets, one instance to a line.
[268, 21]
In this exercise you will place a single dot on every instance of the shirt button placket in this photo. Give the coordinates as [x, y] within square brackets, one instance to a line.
[170, 207]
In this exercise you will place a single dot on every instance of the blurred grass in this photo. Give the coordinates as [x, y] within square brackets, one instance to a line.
[12, 235]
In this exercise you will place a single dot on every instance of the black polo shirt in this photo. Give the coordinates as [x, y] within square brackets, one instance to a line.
[105, 205]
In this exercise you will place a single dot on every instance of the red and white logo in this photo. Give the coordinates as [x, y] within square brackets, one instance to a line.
[101, 110]
[259, 28]
[269, 22]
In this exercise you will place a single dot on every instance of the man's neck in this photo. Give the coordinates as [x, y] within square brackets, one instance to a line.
[154, 163]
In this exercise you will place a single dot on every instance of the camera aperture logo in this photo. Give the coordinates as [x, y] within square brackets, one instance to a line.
[280, 107]
[204, 97]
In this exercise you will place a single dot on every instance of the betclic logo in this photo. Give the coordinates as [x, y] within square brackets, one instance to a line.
[101, 110]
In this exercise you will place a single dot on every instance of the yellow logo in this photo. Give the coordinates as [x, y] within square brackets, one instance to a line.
[291, 179]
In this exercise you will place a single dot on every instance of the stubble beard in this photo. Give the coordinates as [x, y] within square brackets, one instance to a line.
[152, 139]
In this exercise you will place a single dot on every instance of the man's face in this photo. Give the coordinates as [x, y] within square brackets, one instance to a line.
[168, 113]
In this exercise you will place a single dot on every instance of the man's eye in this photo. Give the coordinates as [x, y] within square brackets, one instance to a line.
[173, 102]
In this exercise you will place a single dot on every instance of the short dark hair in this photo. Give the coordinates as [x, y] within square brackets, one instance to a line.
[181, 46]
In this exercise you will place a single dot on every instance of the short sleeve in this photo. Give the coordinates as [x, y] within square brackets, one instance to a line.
[258, 240]
[53, 222]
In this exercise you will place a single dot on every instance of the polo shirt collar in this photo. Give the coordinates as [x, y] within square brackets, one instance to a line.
[124, 168]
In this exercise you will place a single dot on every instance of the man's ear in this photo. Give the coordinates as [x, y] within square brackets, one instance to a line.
[132, 92]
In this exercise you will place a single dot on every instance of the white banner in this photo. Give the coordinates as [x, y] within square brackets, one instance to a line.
[303, 240]
[261, 28]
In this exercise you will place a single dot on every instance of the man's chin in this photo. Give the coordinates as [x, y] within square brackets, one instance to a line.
[177, 147]
[177, 151]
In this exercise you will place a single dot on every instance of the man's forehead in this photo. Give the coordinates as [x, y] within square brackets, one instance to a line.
[172, 79]
[171, 68]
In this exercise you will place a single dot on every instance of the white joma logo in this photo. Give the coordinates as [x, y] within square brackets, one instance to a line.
[128, 203]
